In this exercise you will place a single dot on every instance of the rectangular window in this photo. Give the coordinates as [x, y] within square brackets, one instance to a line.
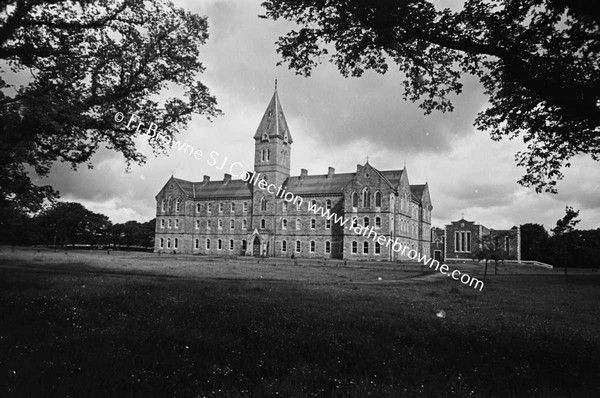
[327, 224]
[354, 247]
[462, 242]
[313, 223]
[283, 246]
[377, 248]
[469, 241]
[457, 241]
[197, 243]
[297, 246]
[312, 246]
[219, 244]
[207, 244]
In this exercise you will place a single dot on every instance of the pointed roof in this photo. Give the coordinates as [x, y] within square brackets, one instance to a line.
[273, 122]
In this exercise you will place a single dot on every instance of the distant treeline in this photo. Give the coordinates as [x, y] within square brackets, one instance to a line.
[575, 248]
[71, 224]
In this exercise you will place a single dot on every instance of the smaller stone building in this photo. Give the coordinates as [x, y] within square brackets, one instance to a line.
[459, 240]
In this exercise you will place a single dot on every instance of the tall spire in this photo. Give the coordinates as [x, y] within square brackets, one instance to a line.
[273, 123]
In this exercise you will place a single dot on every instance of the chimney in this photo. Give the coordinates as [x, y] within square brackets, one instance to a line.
[303, 172]
[330, 172]
[358, 168]
[206, 179]
[227, 177]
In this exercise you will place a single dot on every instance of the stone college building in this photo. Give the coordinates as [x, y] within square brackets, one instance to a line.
[235, 217]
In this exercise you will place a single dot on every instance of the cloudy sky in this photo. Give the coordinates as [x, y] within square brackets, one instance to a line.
[334, 122]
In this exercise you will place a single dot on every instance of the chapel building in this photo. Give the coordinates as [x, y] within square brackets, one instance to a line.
[235, 217]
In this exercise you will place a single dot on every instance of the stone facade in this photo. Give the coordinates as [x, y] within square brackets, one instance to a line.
[459, 240]
[235, 217]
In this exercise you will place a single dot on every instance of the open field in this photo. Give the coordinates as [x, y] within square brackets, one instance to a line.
[135, 324]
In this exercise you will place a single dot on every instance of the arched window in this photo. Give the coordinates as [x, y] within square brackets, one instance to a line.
[177, 205]
[365, 247]
[366, 198]
[327, 224]
[354, 247]
[262, 155]
[284, 246]
[196, 243]
[219, 244]
[232, 207]
[161, 243]
[268, 154]
[327, 246]
[313, 203]
[377, 248]
[312, 246]
[263, 223]
[298, 246]
[328, 204]
[207, 224]
[231, 224]
[197, 224]
[244, 245]
[197, 207]
[245, 206]
[354, 222]
[244, 223]
[354, 199]
[313, 223]
[170, 204]
[263, 204]
[284, 224]
[168, 243]
[162, 205]
[298, 223]
[220, 224]
[377, 222]
[207, 244]
[377, 199]
[366, 222]
[208, 207]
[176, 243]
[230, 244]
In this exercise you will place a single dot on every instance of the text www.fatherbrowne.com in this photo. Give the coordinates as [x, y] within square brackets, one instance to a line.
[354, 226]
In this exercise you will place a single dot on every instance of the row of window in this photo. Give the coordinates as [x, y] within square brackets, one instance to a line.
[170, 205]
[366, 198]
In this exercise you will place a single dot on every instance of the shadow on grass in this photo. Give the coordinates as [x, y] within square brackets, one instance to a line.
[85, 335]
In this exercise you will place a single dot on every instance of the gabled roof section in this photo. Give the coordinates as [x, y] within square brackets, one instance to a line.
[273, 122]
[318, 184]
[222, 189]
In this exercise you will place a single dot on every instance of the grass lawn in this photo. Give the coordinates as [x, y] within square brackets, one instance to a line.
[85, 325]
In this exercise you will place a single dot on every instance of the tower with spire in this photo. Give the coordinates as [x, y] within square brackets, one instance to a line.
[272, 143]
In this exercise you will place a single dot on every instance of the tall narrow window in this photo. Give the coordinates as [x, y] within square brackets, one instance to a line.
[232, 207]
[207, 224]
[230, 244]
[328, 204]
[506, 244]
[161, 243]
[220, 226]
[354, 222]
[263, 223]
[197, 207]
[208, 208]
[176, 243]
[366, 222]
[221, 207]
[263, 204]
[354, 247]
[284, 246]
[377, 222]
[354, 199]
[244, 224]
[285, 206]
[244, 245]
[377, 199]
[468, 241]
[312, 246]
[162, 223]
[284, 224]
[231, 224]
[377, 248]
[462, 242]
[219, 244]
[197, 226]
[177, 205]
[327, 224]
[207, 244]
[170, 224]
[177, 223]
[162, 205]
[327, 246]
[365, 247]
[298, 223]
[313, 223]
[168, 243]
[298, 246]
[268, 154]
[456, 241]
[245, 206]
[366, 198]
[196, 243]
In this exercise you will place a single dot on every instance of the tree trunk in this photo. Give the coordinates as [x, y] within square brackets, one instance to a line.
[485, 272]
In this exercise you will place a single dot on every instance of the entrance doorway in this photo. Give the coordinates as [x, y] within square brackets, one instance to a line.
[256, 247]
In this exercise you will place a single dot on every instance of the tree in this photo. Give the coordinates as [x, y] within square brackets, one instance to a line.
[87, 61]
[564, 227]
[490, 249]
[70, 223]
[534, 241]
[538, 61]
